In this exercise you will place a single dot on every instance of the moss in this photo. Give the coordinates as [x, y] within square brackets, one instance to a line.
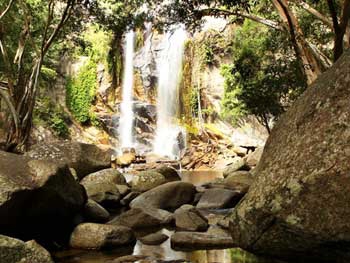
[48, 74]
[293, 220]
[294, 187]
[186, 88]
[81, 92]
[139, 39]
[276, 204]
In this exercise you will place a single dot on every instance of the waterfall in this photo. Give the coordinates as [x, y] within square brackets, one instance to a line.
[169, 135]
[126, 107]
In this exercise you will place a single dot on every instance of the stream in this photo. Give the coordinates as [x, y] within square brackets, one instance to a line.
[163, 251]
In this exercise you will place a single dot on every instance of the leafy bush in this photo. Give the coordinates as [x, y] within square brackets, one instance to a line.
[81, 92]
[49, 114]
[48, 74]
[264, 77]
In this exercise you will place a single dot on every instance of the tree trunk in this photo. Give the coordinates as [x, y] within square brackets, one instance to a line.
[310, 64]
[16, 141]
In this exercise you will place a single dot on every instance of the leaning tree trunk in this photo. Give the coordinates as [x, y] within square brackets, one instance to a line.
[310, 64]
[340, 27]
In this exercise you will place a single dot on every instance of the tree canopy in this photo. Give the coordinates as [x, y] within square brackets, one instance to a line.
[33, 33]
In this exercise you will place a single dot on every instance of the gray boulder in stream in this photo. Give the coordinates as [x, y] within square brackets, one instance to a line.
[147, 180]
[166, 196]
[84, 158]
[15, 251]
[298, 207]
[38, 199]
[99, 236]
[109, 175]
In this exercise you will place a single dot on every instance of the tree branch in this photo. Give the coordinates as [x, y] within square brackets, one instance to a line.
[333, 13]
[4, 93]
[345, 16]
[7, 9]
[8, 68]
[323, 18]
[226, 13]
[65, 16]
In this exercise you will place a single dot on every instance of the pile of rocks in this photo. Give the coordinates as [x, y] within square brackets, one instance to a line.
[67, 194]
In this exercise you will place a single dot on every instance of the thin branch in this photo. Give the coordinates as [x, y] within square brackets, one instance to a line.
[7, 9]
[225, 13]
[65, 16]
[325, 61]
[4, 93]
[323, 18]
[22, 39]
[8, 68]
[48, 22]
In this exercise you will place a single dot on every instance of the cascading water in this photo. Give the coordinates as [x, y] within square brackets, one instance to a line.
[126, 107]
[169, 134]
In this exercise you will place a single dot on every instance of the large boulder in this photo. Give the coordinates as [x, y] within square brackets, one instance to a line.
[109, 175]
[217, 198]
[239, 181]
[188, 218]
[236, 165]
[154, 239]
[103, 186]
[168, 172]
[99, 236]
[298, 206]
[146, 180]
[93, 212]
[167, 196]
[15, 251]
[137, 218]
[38, 199]
[104, 193]
[84, 158]
[189, 241]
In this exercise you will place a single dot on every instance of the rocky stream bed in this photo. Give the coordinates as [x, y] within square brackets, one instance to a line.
[67, 198]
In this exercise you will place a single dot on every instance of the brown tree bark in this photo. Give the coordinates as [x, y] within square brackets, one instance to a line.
[23, 89]
[340, 27]
[311, 59]
[310, 64]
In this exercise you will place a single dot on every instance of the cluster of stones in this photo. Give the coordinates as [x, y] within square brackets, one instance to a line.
[65, 193]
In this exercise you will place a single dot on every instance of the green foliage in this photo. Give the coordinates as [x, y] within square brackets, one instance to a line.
[214, 44]
[81, 92]
[264, 77]
[48, 74]
[241, 256]
[208, 55]
[49, 114]
[194, 101]
[96, 43]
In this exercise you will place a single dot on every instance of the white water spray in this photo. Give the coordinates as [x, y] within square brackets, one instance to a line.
[168, 132]
[126, 107]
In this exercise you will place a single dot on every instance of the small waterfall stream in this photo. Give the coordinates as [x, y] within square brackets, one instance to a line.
[168, 132]
[126, 107]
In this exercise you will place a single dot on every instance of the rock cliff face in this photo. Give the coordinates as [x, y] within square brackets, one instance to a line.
[298, 208]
